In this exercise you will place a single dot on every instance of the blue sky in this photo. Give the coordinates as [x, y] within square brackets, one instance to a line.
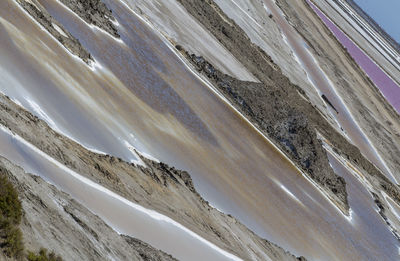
[386, 13]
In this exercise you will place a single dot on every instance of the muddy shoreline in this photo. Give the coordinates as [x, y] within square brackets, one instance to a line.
[277, 108]
[289, 129]
[157, 186]
[94, 12]
[54, 220]
[341, 145]
[57, 30]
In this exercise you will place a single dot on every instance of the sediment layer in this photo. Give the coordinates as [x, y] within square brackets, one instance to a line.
[94, 12]
[155, 186]
[279, 108]
[53, 219]
[57, 30]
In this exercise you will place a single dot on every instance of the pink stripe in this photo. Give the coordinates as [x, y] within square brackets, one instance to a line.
[386, 85]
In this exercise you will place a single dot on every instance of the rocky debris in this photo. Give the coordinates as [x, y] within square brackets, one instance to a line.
[157, 186]
[382, 212]
[146, 251]
[338, 142]
[53, 219]
[288, 127]
[165, 172]
[39, 13]
[94, 12]
[302, 117]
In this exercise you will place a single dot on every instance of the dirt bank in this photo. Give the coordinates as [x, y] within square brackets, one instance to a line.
[39, 13]
[275, 105]
[53, 219]
[278, 107]
[94, 12]
[157, 186]
[370, 109]
[288, 127]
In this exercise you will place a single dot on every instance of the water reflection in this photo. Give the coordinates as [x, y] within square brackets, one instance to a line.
[137, 64]
[124, 216]
[233, 166]
[324, 86]
[365, 216]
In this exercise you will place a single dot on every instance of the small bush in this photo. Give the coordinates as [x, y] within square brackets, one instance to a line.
[10, 217]
[11, 240]
[43, 256]
[10, 206]
[13, 245]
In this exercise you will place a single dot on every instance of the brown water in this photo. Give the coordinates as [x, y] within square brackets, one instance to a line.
[365, 211]
[142, 94]
[125, 217]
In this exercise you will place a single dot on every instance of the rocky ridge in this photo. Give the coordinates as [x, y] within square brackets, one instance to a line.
[57, 30]
[279, 108]
[53, 219]
[157, 186]
[94, 12]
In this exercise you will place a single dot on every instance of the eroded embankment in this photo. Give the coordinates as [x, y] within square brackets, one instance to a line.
[57, 30]
[157, 186]
[52, 219]
[289, 128]
[381, 127]
[94, 12]
[277, 106]
[368, 106]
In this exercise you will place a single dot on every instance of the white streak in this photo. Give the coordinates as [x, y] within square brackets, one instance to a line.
[61, 31]
[151, 213]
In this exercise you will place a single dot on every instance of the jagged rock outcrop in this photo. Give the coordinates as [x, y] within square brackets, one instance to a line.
[155, 186]
[57, 30]
[54, 220]
[288, 102]
[94, 12]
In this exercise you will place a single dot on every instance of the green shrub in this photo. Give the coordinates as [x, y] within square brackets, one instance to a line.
[10, 217]
[43, 256]
[10, 206]
[13, 244]
[11, 240]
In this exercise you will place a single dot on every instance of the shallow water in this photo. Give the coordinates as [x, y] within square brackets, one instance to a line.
[142, 95]
[124, 216]
[365, 213]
